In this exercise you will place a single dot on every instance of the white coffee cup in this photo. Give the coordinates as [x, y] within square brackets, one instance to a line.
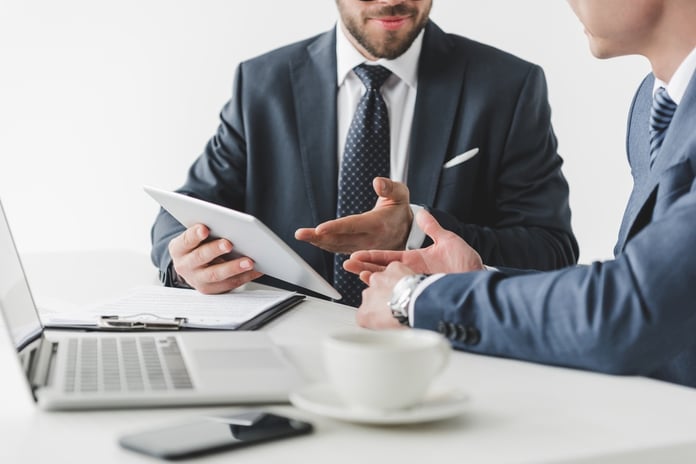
[384, 370]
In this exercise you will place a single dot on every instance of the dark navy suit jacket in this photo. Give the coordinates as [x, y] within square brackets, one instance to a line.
[633, 315]
[275, 151]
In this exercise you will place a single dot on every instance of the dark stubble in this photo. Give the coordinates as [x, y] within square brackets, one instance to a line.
[393, 46]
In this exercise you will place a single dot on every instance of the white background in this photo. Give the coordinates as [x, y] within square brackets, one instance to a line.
[98, 98]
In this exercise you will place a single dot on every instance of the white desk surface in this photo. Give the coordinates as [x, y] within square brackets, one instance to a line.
[519, 412]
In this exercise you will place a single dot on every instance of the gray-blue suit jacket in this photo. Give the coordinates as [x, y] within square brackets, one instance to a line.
[633, 315]
[275, 152]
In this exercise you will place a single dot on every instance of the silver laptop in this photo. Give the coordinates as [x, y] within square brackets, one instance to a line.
[81, 370]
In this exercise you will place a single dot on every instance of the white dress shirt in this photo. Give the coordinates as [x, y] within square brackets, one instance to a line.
[399, 94]
[676, 88]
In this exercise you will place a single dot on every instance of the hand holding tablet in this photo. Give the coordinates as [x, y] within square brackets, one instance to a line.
[250, 237]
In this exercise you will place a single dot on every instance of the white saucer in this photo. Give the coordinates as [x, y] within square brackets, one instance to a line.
[322, 399]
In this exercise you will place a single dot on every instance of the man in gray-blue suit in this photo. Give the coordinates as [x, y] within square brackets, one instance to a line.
[635, 314]
[471, 136]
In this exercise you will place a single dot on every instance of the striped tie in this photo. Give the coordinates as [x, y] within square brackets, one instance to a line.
[663, 109]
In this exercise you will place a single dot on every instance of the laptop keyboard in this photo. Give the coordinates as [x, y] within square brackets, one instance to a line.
[114, 364]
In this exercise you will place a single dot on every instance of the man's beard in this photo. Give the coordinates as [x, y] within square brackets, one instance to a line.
[392, 47]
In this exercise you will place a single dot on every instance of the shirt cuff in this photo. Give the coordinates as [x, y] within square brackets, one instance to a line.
[416, 236]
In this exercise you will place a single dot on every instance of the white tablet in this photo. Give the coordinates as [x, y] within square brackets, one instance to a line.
[249, 236]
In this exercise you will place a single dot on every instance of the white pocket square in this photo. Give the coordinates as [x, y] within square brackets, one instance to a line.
[459, 159]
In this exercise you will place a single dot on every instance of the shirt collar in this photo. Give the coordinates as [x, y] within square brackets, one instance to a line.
[404, 66]
[676, 88]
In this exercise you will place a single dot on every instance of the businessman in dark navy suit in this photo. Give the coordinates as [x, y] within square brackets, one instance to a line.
[470, 136]
[635, 314]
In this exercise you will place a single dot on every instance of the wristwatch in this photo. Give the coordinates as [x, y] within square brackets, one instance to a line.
[401, 296]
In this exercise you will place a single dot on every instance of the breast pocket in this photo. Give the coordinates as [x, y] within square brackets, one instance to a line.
[458, 175]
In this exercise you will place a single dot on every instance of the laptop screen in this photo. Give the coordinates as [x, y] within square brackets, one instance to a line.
[16, 303]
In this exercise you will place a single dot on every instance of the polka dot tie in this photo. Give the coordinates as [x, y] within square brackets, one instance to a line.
[663, 109]
[366, 156]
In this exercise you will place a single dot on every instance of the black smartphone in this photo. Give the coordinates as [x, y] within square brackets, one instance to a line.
[211, 434]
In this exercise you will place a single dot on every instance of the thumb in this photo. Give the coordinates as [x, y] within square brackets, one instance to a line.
[386, 188]
[430, 226]
[383, 186]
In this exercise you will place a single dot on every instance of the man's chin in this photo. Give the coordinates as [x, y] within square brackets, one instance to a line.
[390, 45]
[601, 49]
[602, 53]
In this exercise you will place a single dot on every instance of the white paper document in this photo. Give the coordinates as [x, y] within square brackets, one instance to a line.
[161, 305]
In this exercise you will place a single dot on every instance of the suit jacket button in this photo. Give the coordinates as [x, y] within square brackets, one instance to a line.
[451, 330]
[460, 334]
[443, 328]
[473, 336]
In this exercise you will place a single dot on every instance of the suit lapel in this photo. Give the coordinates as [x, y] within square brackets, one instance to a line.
[440, 80]
[638, 145]
[314, 87]
[679, 133]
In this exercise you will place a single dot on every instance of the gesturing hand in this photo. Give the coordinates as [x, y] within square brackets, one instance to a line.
[448, 253]
[386, 226]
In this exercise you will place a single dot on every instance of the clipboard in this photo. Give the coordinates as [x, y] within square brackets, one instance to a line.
[137, 323]
[147, 309]
[252, 238]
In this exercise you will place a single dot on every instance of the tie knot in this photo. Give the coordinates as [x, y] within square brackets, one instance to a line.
[372, 76]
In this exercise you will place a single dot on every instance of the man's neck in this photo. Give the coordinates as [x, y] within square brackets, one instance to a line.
[672, 41]
[666, 61]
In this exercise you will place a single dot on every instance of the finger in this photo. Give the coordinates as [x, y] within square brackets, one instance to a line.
[365, 277]
[379, 257]
[310, 236]
[383, 186]
[226, 275]
[207, 253]
[430, 226]
[188, 240]
[353, 224]
[342, 243]
[388, 189]
[231, 283]
[356, 267]
[229, 269]
[306, 234]
[396, 269]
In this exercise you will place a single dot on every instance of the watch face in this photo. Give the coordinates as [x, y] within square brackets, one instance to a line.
[401, 296]
[400, 286]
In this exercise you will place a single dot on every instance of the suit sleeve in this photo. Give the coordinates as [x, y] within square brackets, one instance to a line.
[218, 176]
[630, 315]
[530, 225]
